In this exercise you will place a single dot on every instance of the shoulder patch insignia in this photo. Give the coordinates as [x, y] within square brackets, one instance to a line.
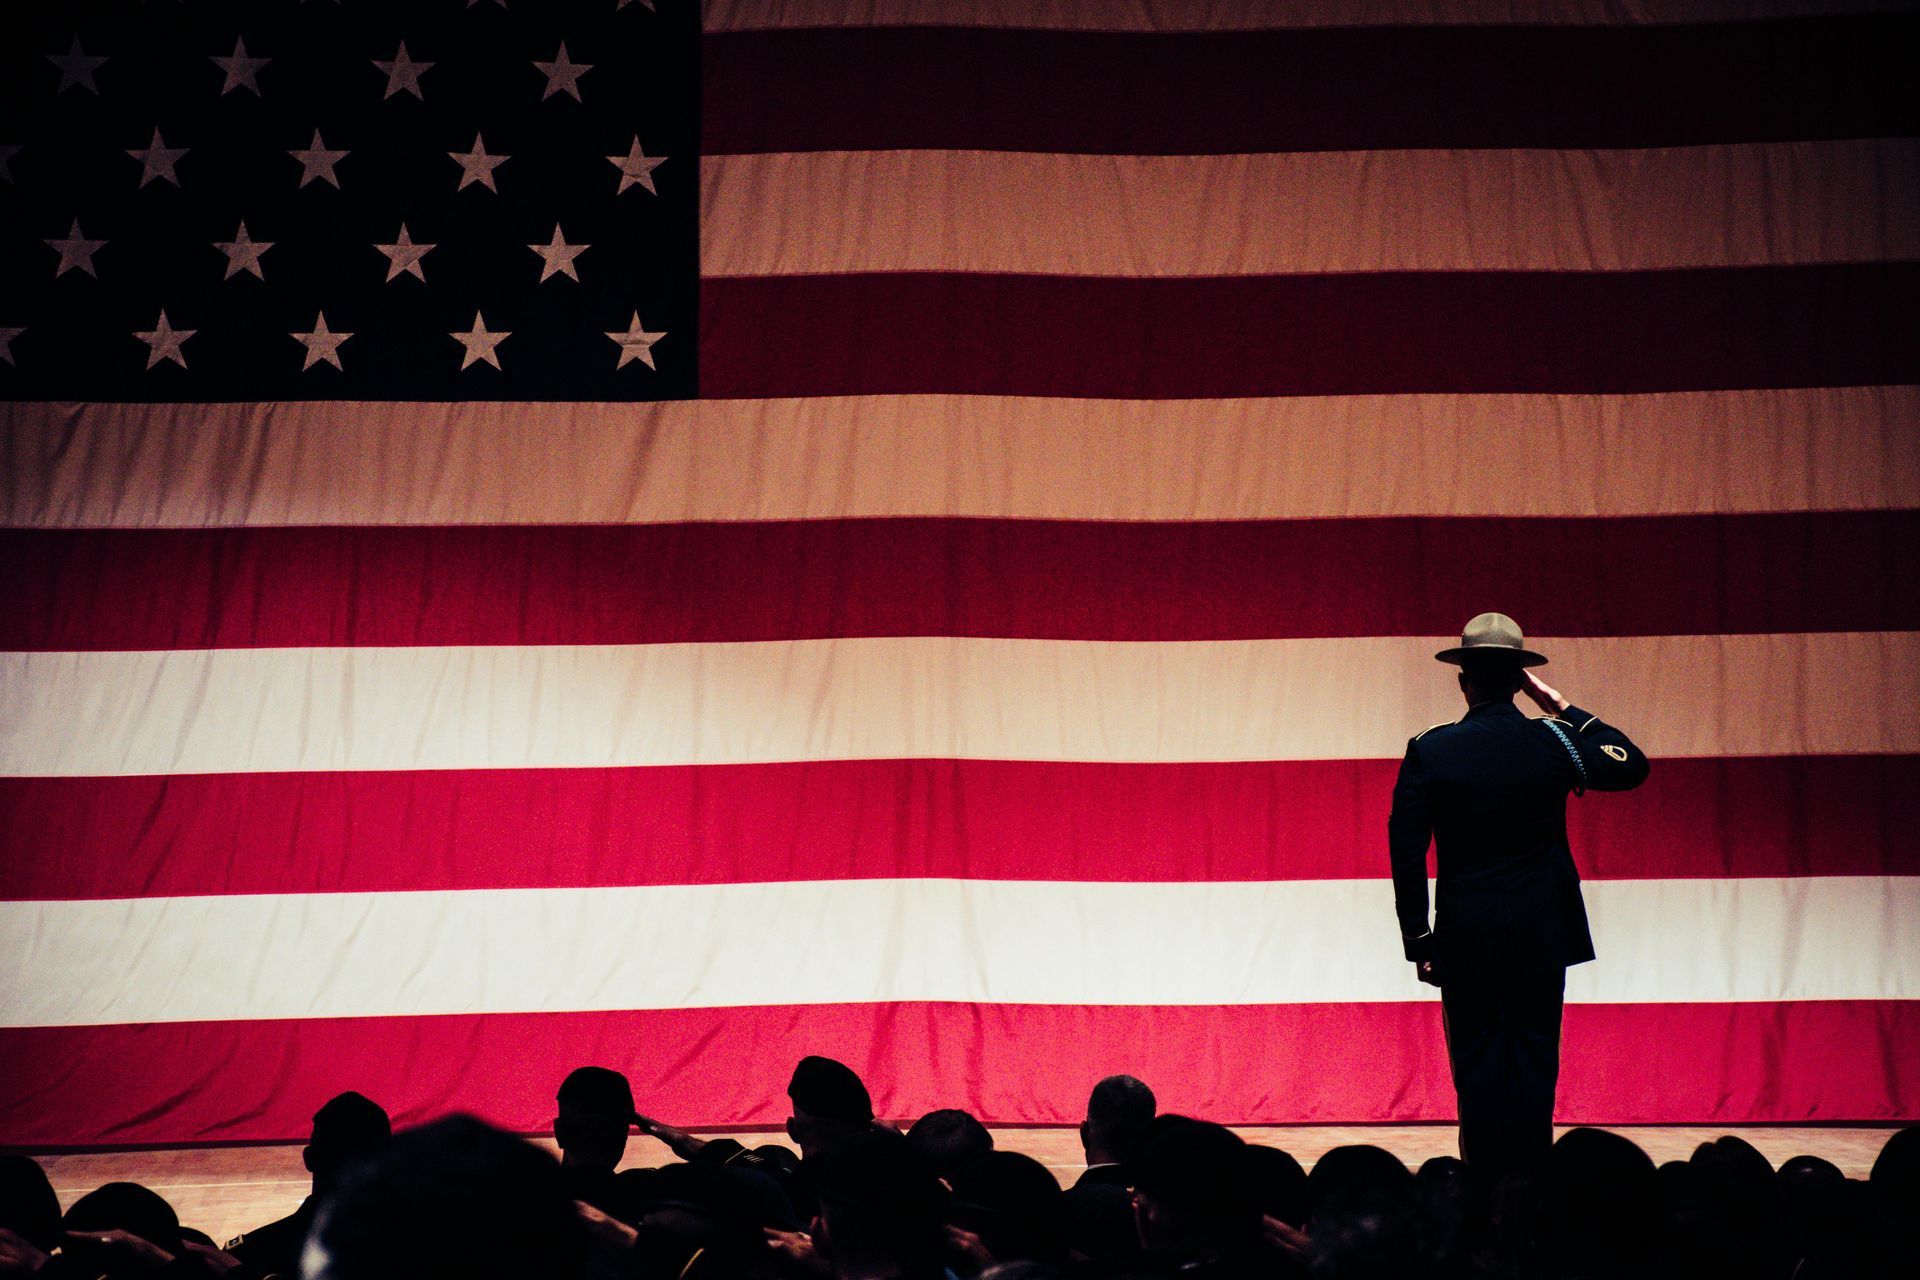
[1614, 753]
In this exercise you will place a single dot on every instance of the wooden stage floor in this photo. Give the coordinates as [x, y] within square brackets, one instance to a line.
[227, 1190]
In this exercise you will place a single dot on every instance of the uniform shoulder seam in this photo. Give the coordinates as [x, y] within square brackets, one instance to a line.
[1430, 728]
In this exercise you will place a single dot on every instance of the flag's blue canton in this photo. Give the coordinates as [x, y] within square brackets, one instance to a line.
[164, 149]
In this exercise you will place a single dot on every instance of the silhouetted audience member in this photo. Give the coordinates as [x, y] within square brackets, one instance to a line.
[1118, 1113]
[1097, 1223]
[1592, 1182]
[1746, 1231]
[950, 1140]
[1453, 1197]
[596, 1109]
[455, 1198]
[1279, 1183]
[461, 1199]
[1012, 1203]
[708, 1220]
[1194, 1198]
[123, 1230]
[1354, 1164]
[1813, 1192]
[830, 1105]
[28, 1206]
[880, 1204]
[348, 1127]
[1895, 1178]
[1373, 1229]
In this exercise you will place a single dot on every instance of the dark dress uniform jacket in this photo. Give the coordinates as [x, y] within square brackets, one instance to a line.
[1491, 791]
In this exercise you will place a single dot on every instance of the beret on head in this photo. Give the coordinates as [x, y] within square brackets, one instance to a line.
[598, 1090]
[828, 1089]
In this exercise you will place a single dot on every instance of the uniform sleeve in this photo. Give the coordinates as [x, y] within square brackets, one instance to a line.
[1409, 832]
[1613, 763]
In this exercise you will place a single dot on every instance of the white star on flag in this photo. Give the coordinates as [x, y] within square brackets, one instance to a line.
[563, 74]
[317, 162]
[322, 344]
[157, 160]
[7, 334]
[76, 251]
[163, 342]
[480, 343]
[636, 168]
[557, 257]
[243, 253]
[403, 73]
[403, 256]
[240, 69]
[76, 68]
[477, 166]
[635, 344]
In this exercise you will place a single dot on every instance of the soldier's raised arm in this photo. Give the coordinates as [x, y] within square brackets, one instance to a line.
[1609, 758]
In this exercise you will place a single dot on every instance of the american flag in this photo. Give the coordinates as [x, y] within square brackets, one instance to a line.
[915, 530]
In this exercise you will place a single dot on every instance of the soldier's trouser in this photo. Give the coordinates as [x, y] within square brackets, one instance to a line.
[1503, 1036]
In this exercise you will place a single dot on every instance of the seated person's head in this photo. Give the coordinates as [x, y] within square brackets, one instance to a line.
[1813, 1191]
[880, 1207]
[830, 1105]
[1358, 1165]
[1012, 1202]
[454, 1198]
[1280, 1184]
[1096, 1219]
[1592, 1181]
[120, 1206]
[1194, 1194]
[1896, 1177]
[349, 1127]
[700, 1220]
[950, 1140]
[596, 1108]
[1118, 1112]
[28, 1206]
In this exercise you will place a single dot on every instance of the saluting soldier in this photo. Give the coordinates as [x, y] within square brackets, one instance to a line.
[1489, 791]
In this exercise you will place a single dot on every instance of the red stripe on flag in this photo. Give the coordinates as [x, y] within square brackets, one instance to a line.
[1352, 89]
[73, 838]
[1008, 1064]
[1570, 332]
[1037, 579]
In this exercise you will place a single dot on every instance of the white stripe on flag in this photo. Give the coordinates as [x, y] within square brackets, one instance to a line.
[502, 707]
[544, 950]
[347, 462]
[1766, 204]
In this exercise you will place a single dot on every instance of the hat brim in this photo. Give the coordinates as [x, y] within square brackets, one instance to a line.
[1459, 653]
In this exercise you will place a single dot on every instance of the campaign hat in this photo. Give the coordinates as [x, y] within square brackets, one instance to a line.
[1490, 635]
